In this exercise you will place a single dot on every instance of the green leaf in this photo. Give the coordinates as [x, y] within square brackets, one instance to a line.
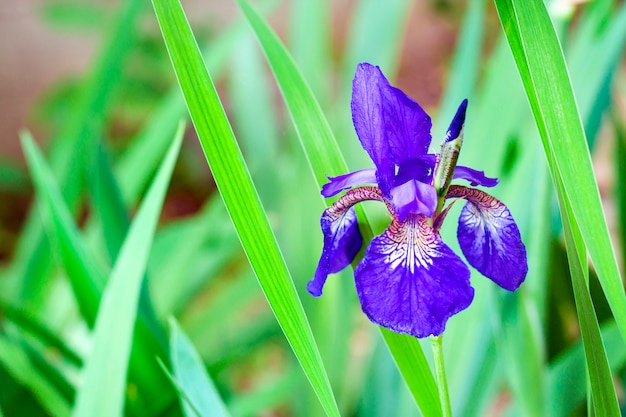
[76, 139]
[603, 392]
[568, 376]
[325, 158]
[86, 275]
[410, 359]
[375, 34]
[239, 195]
[87, 279]
[102, 392]
[30, 325]
[17, 363]
[540, 62]
[541, 65]
[192, 377]
[321, 149]
[465, 66]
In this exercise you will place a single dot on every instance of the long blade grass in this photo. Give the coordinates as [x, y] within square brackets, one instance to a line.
[239, 195]
[540, 62]
[102, 392]
[200, 392]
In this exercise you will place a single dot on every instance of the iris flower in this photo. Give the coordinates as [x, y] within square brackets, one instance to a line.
[409, 280]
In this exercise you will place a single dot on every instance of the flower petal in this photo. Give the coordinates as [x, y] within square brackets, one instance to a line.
[474, 177]
[368, 119]
[342, 238]
[407, 125]
[347, 181]
[390, 125]
[410, 281]
[490, 239]
[456, 127]
[413, 197]
[342, 241]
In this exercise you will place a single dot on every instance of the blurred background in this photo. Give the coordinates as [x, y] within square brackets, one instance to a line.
[93, 83]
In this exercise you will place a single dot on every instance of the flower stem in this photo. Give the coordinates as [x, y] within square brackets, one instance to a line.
[440, 371]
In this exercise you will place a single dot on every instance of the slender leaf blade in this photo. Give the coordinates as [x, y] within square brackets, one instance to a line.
[102, 392]
[240, 197]
[541, 64]
[190, 373]
[602, 389]
[536, 50]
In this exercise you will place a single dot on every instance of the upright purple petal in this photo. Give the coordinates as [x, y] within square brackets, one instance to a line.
[368, 118]
[407, 125]
[342, 238]
[474, 177]
[490, 239]
[391, 126]
[410, 282]
[347, 181]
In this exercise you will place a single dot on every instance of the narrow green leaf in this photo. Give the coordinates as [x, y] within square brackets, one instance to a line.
[102, 392]
[325, 158]
[142, 156]
[410, 359]
[87, 279]
[465, 65]
[76, 139]
[108, 203]
[190, 373]
[321, 149]
[30, 325]
[375, 34]
[603, 392]
[537, 53]
[568, 377]
[239, 195]
[15, 360]
[114, 218]
[86, 275]
[540, 62]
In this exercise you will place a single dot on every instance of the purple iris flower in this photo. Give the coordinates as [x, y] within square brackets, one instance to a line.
[409, 280]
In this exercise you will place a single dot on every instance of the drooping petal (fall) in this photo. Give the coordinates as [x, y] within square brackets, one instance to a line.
[347, 181]
[411, 282]
[490, 239]
[342, 238]
[475, 177]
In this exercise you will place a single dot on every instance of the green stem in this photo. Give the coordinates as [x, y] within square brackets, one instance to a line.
[440, 371]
